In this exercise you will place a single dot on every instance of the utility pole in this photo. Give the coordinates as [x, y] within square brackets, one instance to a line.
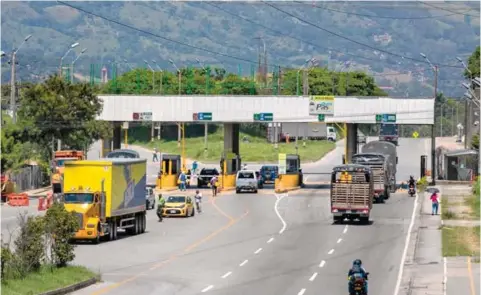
[433, 129]
[305, 85]
[13, 89]
[279, 92]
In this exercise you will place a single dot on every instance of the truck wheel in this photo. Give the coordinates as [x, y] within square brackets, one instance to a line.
[237, 191]
[364, 220]
[115, 229]
[338, 219]
[111, 231]
[144, 222]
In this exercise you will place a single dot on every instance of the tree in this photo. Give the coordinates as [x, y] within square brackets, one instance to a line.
[57, 109]
[473, 64]
[29, 245]
[475, 142]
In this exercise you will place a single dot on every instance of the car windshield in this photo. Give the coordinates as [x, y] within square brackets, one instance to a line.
[175, 199]
[61, 162]
[209, 172]
[269, 168]
[388, 129]
[148, 191]
[245, 175]
[78, 198]
[123, 155]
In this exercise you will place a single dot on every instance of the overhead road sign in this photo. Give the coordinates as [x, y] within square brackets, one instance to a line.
[202, 116]
[321, 104]
[264, 117]
[145, 116]
[386, 118]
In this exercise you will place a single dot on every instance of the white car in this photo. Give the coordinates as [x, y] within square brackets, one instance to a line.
[246, 180]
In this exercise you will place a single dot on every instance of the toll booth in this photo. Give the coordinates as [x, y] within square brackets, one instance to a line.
[230, 163]
[290, 173]
[170, 168]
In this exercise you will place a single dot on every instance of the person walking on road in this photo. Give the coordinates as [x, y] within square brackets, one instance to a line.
[182, 181]
[155, 157]
[435, 203]
[198, 200]
[160, 206]
[213, 184]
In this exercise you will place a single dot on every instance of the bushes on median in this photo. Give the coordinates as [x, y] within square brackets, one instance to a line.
[41, 241]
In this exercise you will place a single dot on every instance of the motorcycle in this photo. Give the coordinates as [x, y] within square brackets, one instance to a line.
[411, 191]
[358, 286]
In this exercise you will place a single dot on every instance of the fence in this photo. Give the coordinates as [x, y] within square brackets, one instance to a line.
[28, 178]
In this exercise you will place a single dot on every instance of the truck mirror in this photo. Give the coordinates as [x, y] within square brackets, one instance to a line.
[397, 160]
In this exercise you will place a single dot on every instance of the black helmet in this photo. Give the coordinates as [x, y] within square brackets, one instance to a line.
[357, 262]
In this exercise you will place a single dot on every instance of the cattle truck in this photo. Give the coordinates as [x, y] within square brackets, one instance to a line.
[389, 150]
[380, 173]
[106, 195]
[351, 192]
[58, 163]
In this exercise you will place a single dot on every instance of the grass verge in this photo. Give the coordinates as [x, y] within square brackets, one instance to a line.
[474, 203]
[446, 213]
[47, 279]
[257, 149]
[460, 241]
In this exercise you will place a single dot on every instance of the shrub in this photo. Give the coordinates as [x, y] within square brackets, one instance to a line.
[423, 182]
[476, 187]
[60, 226]
[29, 245]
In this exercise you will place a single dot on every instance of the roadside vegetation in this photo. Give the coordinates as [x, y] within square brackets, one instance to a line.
[460, 241]
[37, 256]
[253, 148]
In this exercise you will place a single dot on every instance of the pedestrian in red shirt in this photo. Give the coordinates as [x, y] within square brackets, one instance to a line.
[435, 203]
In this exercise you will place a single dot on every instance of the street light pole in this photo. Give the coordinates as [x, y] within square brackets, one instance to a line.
[65, 55]
[153, 75]
[206, 126]
[13, 88]
[128, 64]
[161, 76]
[433, 129]
[467, 106]
[179, 127]
[73, 63]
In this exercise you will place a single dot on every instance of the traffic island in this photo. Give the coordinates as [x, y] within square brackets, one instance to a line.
[50, 281]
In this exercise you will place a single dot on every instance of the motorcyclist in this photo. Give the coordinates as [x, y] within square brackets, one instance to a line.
[160, 206]
[412, 183]
[357, 269]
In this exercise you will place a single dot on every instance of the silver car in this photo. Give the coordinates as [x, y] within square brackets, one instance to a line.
[149, 198]
[246, 180]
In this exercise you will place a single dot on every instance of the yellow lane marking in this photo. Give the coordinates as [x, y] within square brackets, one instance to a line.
[470, 274]
[196, 244]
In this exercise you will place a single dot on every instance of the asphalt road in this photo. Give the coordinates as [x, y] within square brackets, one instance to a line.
[260, 244]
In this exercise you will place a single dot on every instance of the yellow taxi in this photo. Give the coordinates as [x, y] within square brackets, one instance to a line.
[178, 206]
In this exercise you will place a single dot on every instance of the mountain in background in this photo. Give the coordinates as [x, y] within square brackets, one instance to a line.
[442, 31]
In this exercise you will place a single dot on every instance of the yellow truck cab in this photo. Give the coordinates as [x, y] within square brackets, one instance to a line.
[106, 195]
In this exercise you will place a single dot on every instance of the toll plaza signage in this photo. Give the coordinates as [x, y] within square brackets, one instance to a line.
[321, 104]
[282, 164]
[145, 116]
[386, 118]
[263, 117]
[202, 116]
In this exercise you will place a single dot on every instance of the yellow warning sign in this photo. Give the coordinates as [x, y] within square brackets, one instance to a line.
[415, 134]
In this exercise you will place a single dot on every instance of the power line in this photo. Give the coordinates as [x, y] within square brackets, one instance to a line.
[155, 35]
[375, 16]
[354, 41]
[454, 12]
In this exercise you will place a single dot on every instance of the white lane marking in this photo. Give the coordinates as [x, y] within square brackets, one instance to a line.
[258, 250]
[276, 209]
[207, 288]
[345, 229]
[322, 263]
[301, 292]
[227, 274]
[244, 262]
[445, 281]
[313, 277]
[406, 246]
[340, 240]
[330, 251]
[270, 240]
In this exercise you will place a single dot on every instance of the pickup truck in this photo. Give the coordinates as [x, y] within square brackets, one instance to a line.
[351, 192]
[246, 180]
[205, 176]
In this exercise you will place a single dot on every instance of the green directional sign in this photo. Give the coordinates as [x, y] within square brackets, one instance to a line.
[321, 117]
[202, 116]
[386, 118]
[263, 117]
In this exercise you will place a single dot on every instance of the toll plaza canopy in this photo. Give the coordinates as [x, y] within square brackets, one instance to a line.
[243, 109]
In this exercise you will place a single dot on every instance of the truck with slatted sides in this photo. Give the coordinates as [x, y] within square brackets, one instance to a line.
[389, 150]
[380, 173]
[352, 189]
